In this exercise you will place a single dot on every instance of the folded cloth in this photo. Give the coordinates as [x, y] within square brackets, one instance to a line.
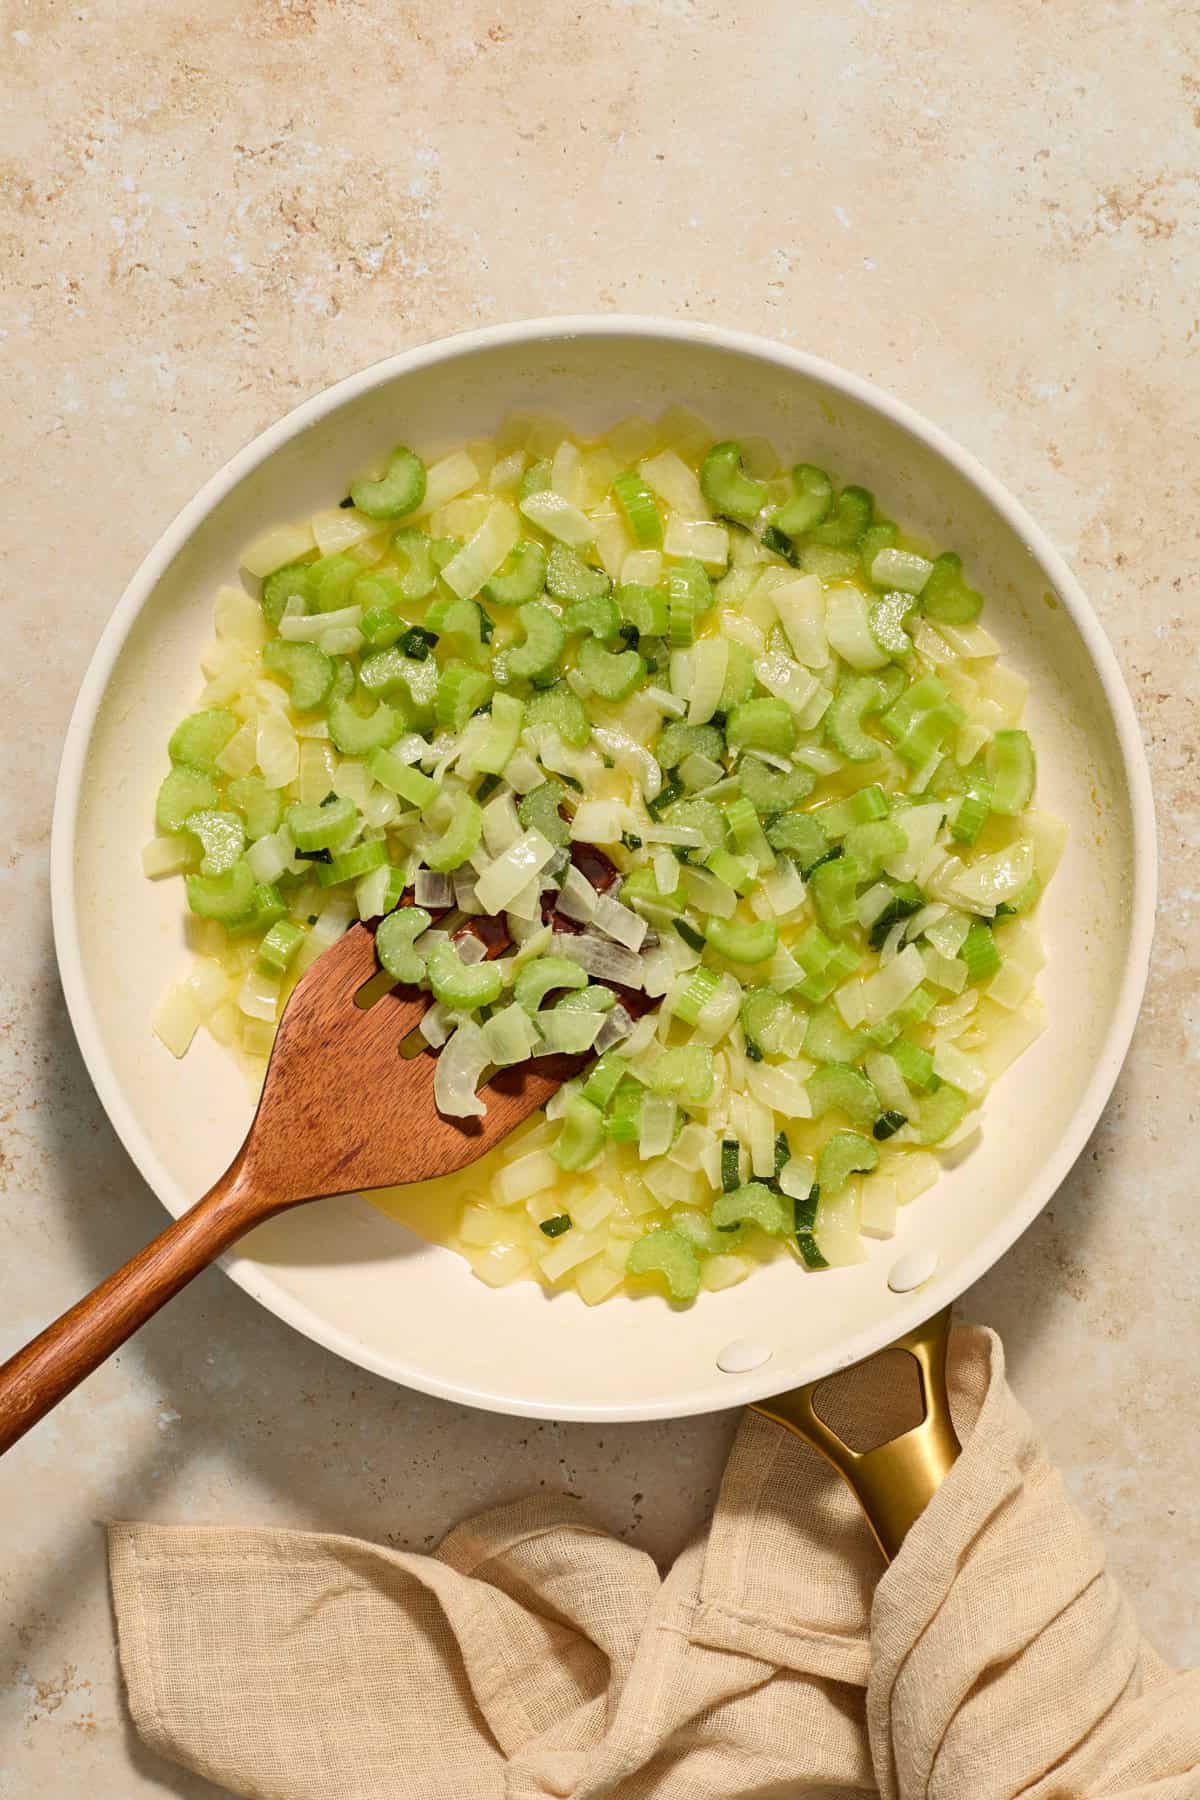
[534, 1655]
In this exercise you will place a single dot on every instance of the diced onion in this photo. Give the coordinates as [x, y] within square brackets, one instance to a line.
[559, 519]
[605, 960]
[432, 889]
[707, 542]
[990, 879]
[633, 758]
[482, 554]
[445, 480]
[501, 826]
[569, 1031]
[336, 528]
[656, 1125]
[269, 856]
[459, 1068]
[671, 479]
[617, 1025]
[299, 628]
[282, 544]
[800, 606]
[503, 879]
[798, 1176]
[277, 752]
[684, 837]
[168, 855]
[920, 825]
[889, 988]
[600, 822]
[777, 1089]
[176, 1019]
[710, 661]
[239, 619]
[643, 568]
[510, 1036]
[258, 996]
[847, 628]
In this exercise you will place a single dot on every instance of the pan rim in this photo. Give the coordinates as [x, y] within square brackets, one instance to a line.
[704, 1396]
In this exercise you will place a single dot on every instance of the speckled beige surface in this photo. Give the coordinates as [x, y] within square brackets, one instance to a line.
[208, 215]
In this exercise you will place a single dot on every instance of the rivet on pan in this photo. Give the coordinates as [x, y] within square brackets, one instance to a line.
[742, 1355]
[912, 1270]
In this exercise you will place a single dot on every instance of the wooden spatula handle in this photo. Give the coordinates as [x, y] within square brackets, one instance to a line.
[45, 1371]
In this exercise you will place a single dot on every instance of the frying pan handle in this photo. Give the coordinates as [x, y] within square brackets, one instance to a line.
[895, 1480]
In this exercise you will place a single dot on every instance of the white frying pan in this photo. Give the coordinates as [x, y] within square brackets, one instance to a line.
[352, 1279]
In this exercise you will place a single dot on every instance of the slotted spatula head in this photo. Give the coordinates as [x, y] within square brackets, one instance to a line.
[342, 1109]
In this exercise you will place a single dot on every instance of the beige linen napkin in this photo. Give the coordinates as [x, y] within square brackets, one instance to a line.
[534, 1655]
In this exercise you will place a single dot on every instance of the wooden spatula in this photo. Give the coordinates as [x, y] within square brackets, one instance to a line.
[342, 1109]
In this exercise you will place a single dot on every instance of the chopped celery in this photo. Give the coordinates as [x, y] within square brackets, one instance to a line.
[265, 909]
[945, 597]
[743, 941]
[859, 808]
[563, 711]
[978, 950]
[846, 1153]
[623, 1119]
[401, 778]
[640, 509]
[538, 810]
[941, 1113]
[395, 938]
[826, 964]
[739, 677]
[812, 497]
[754, 1203]
[354, 863]
[200, 739]
[832, 887]
[915, 1064]
[461, 691]
[801, 835]
[974, 810]
[727, 488]
[689, 593]
[538, 656]
[592, 998]
[702, 986]
[835, 1087]
[881, 535]
[869, 846]
[460, 838]
[771, 790]
[520, 577]
[887, 618]
[182, 792]
[737, 872]
[413, 552]
[668, 1253]
[611, 674]
[355, 734]
[279, 946]
[507, 716]
[763, 724]
[843, 722]
[827, 1039]
[535, 479]
[1012, 768]
[325, 827]
[292, 582]
[568, 577]
[769, 1020]
[677, 740]
[222, 838]
[605, 1078]
[332, 580]
[597, 615]
[685, 1072]
[401, 490]
[643, 608]
[746, 832]
[541, 976]
[696, 815]
[307, 671]
[459, 985]
[464, 620]
[261, 807]
[227, 897]
[849, 519]
[582, 1135]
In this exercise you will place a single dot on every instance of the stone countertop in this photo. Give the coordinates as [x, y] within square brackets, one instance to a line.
[207, 219]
